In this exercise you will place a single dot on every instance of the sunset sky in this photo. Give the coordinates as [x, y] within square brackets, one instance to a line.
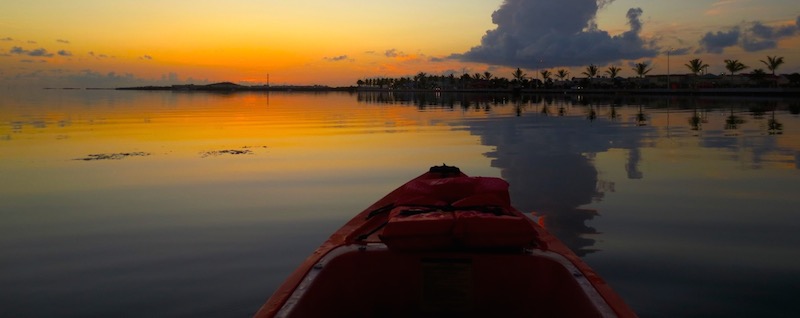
[94, 43]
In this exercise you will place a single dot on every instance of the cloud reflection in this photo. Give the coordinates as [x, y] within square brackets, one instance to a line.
[545, 145]
[550, 167]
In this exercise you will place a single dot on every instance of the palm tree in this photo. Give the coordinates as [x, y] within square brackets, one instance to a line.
[773, 62]
[759, 76]
[487, 76]
[420, 80]
[519, 75]
[562, 74]
[546, 75]
[591, 71]
[641, 69]
[696, 66]
[612, 71]
[734, 66]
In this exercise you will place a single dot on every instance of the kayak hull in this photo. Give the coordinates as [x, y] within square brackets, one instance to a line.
[454, 268]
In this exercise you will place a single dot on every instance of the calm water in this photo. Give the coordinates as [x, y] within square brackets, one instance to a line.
[164, 204]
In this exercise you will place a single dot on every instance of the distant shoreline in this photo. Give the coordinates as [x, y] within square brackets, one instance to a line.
[231, 87]
[779, 91]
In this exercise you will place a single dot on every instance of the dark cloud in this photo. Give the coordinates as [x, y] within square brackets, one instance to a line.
[394, 53]
[146, 57]
[337, 58]
[768, 32]
[62, 41]
[549, 33]
[755, 45]
[717, 42]
[7, 39]
[99, 56]
[31, 42]
[64, 53]
[40, 52]
[751, 37]
[680, 51]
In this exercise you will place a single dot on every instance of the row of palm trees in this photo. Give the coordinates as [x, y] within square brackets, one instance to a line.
[772, 63]
[522, 80]
[696, 66]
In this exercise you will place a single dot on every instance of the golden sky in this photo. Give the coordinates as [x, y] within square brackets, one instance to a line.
[100, 43]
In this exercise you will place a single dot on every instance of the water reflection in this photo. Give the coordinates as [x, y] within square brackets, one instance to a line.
[257, 181]
[733, 121]
[550, 167]
[549, 161]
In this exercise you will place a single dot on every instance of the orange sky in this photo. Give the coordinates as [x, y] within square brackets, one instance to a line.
[91, 42]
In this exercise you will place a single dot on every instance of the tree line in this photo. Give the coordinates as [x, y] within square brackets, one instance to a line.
[547, 78]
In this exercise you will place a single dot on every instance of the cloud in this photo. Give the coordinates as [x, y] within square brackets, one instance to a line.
[99, 56]
[679, 51]
[768, 32]
[394, 53]
[550, 33]
[752, 37]
[64, 53]
[755, 45]
[40, 52]
[717, 42]
[7, 39]
[337, 58]
[62, 41]
[146, 57]
[92, 78]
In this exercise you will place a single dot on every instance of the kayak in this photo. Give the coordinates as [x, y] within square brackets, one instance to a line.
[444, 244]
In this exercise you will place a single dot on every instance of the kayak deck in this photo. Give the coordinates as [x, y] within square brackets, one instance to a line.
[444, 244]
[374, 281]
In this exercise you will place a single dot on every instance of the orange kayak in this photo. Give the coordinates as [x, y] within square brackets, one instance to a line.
[444, 244]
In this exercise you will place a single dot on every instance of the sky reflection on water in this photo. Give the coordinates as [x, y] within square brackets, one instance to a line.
[683, 209]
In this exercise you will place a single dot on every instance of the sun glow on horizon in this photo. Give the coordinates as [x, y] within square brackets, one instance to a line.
[92, 42]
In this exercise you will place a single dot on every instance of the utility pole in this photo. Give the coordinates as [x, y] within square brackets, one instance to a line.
[669, 85]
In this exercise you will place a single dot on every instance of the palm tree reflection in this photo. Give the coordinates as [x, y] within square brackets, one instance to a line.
[613, 115]
[773, 126]
[641, 119]
[549, 160]
[697, 120]
[733, 121]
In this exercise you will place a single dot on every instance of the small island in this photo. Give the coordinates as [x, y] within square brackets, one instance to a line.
[233, 87]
